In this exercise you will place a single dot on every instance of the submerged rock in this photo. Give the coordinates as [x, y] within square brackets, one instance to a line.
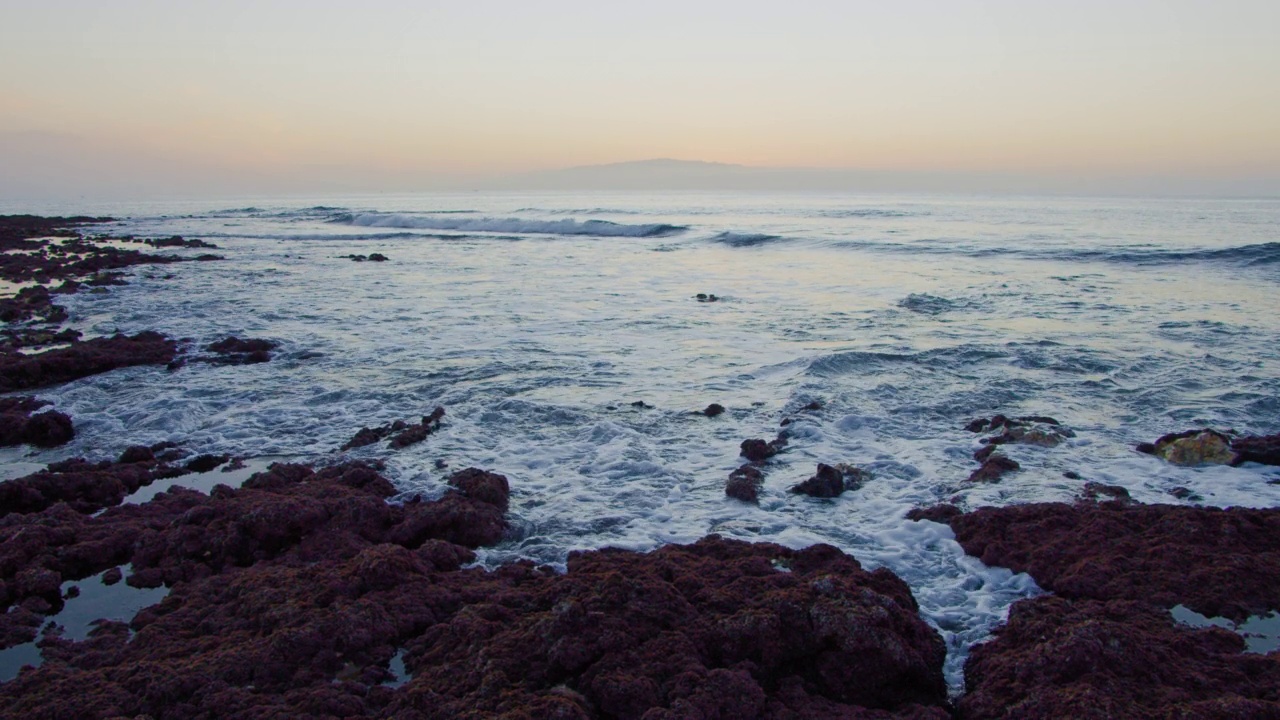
[713, 410]
[234, 351]
[993, 468]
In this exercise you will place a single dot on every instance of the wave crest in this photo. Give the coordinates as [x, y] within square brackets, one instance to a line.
[594, 228]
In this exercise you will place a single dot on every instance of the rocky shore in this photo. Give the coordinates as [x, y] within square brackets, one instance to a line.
[320, 591]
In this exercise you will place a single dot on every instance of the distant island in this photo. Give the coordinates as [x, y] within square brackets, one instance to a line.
[667, 174]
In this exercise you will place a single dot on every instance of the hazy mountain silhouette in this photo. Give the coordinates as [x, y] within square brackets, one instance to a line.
[669, 174]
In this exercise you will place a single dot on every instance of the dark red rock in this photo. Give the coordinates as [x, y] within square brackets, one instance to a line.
[993, 468]
[21, 338]
[177, 241]
[84, 486]
[417, 433]
[706, 630]
[1059, 658]
[31, 303]
[112, 576]
[21, 424]
[234, 344]
[1094, 491]
[713, 410]
[1264, 449]
[205, 463]
[937, 513]
[759, 450]
[830, 481]
[745, 484]
[486, 487]
[304, 583]
[235, 351]
[91, 357]
[1216, 562]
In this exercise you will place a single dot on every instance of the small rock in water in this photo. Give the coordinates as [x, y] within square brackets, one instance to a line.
[1264, 449]
[704, 297]
[1193, 447]
[745, 484]
[1183, 493]
[757, 450]
[831, 481]
[993, 468]
[205, 463]
[1093, 490]
[713, 410]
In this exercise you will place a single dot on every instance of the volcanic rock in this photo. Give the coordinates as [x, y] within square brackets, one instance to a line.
[1094, 490]
[234, 351]
[713, 410]
[744, 484]
[81, 359]
[1059, 658]
[21, 424]
[1216, 562]
[1264, 449]
[84, 486]
[705, 630]
[1193, 447]
[758, 450]
[831, 481]
[417, 433]
[993, 468]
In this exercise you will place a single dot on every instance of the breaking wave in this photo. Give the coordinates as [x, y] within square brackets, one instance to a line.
[594, 228]
[744, 239]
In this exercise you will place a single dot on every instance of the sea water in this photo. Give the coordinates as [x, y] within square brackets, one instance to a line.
[538, 320]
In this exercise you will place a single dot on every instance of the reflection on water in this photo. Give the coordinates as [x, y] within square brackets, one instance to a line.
[96, 601]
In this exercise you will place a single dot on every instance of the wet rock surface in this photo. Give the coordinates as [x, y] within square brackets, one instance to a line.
[84, 486]
[745, 484]
[832, 480]
[1106, 646]
[758, 451]
[1214, 561]
[1207, 446]
[402, 433]
[1060, 658]
[82, 359]
[291, 594]
[21, 422]
[994, 467]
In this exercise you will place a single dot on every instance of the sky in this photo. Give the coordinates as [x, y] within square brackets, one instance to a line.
[135, 98]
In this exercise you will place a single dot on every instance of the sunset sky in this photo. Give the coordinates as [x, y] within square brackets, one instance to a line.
[153, 97]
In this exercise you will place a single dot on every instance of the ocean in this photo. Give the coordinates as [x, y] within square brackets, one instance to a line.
[563, 336]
